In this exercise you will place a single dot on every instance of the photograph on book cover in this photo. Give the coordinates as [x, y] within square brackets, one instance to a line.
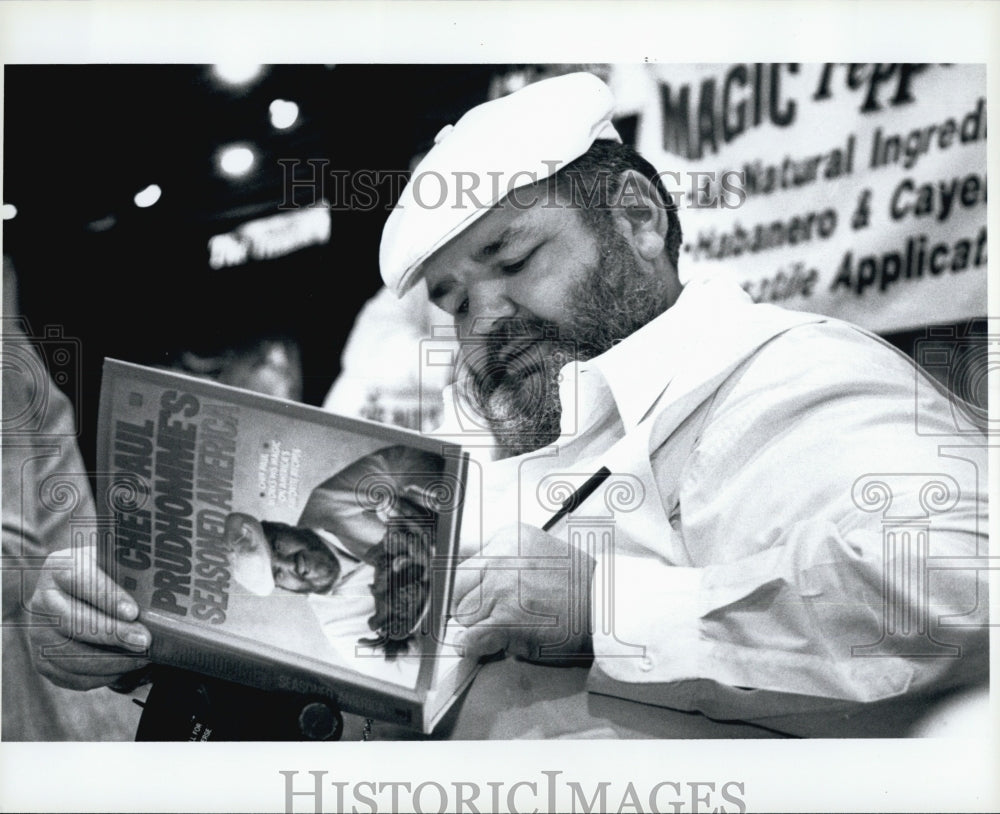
[776, 463]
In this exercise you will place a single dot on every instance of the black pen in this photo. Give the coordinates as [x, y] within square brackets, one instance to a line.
[580, 495]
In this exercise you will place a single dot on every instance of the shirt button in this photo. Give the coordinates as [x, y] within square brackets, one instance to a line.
[645, 664]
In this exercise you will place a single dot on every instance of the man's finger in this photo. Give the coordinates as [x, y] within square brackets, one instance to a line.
[482, 640]
[530, 648]
[85, 580]
[473, 607]
[62, 671]
[81, 622]
[469, 576]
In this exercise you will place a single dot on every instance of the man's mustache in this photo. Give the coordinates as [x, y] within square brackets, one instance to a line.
[511, 344]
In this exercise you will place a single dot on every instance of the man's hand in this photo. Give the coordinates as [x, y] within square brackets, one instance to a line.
[528, 593]
[92, 638]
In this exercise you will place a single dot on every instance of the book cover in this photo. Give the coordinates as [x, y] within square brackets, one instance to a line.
[279, 546]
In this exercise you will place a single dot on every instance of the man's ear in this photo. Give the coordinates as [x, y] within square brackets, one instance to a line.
[639, 212]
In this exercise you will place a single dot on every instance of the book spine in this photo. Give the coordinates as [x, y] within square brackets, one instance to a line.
[229, 664]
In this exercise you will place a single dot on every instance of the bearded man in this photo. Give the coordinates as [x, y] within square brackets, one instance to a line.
[756, 578]
[791, 488]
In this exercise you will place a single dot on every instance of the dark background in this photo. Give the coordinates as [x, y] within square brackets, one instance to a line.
[131, 283]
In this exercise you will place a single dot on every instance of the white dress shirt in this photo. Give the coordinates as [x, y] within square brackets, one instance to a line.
[750, 570]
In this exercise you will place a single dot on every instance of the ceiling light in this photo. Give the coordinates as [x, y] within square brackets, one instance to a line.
[236, 73]
[235, 161]
[9, 211]
[148, 196]
[283, 113]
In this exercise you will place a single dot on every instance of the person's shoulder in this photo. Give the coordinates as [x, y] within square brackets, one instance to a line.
[814, 368]
[828, 350]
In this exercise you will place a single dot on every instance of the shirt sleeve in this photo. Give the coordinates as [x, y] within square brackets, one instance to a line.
[798, 581]
[810, 616]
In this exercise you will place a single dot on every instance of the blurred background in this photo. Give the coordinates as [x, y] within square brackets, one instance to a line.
[119, 181]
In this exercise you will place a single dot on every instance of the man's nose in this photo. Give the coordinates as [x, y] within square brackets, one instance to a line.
[489, 303]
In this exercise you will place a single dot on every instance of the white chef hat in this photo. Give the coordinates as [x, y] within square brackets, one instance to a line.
[494, 148]
[252, 570]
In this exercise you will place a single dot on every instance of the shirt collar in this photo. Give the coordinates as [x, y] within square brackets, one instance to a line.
[638, 369]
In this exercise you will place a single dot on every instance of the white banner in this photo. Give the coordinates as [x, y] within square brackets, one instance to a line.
[854, 190]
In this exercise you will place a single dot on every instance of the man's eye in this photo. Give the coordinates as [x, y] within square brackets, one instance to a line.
[514, 268]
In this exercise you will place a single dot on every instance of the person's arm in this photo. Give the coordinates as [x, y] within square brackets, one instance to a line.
[81, 627]
[802, 574]
[808, 616]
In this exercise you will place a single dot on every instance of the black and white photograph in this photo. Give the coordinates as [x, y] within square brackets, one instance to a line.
[553, 427]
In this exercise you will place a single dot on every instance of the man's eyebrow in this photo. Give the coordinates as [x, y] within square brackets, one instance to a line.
[507, 236]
